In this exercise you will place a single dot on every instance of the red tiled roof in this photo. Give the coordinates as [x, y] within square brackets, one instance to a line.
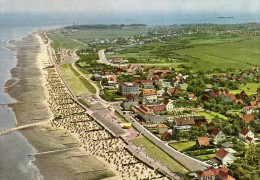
[221, 153]
[203, 141]
[248, 118]
[244, 131]
[143, 81]
[165, 135]
[224, 176]
[159, 108]
[215, 132]
[129, 96]
[174, 91]
[213, 172]
[249, 138]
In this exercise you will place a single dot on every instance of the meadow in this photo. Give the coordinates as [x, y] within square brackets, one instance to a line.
[89, 35]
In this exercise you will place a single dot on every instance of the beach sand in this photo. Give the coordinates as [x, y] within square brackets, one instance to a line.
[27, 86]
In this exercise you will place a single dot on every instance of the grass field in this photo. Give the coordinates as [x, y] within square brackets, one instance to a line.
[87, 36]
[211, 115]
[66, 42]
[234, 52]
[249, 88]
[157, 154]
[77, 83]
[180, 146]
[206, 157]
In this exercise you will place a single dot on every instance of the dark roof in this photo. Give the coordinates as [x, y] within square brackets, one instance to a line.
[184, 121]
[244, 131]
[215, 132]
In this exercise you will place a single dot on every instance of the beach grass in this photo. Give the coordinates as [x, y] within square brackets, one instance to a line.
[156, 153]
[180, 146]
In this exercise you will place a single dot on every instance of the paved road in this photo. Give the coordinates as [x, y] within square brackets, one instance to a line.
[188, 162]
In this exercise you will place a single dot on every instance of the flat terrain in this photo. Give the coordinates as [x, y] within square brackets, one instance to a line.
[75, 80]
[89, 35]
[157, 154]
[180, 146]
[217, 52]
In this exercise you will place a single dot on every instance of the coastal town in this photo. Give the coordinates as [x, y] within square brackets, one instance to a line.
[204, 120]
[143, 112]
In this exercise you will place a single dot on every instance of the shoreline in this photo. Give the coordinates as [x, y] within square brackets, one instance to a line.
[29, 91]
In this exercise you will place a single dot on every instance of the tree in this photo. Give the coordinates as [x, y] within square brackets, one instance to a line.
[228, 129]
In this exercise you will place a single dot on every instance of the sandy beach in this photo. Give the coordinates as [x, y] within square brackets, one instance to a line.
[71, 144]
[28, 87]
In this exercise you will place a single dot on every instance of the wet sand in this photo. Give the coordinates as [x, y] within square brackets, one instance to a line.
[27, 86]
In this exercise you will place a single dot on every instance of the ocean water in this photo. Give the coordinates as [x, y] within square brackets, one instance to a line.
[14, 148]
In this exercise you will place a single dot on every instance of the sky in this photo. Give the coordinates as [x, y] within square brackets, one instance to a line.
[130, 6]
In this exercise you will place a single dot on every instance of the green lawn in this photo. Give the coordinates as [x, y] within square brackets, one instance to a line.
[77, 83]
[66, 42]
[180, 146]
[211, 114]
[237, 54]
[156, 153]
[84, 103]
[249, 88]
[206, 157]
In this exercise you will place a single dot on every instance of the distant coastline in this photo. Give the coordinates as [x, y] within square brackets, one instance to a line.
[225, 17]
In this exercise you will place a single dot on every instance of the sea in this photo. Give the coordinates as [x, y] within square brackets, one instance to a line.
[14, 147]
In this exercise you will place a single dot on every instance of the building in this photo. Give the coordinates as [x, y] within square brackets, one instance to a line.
[203, 141]
[215, 174]
[225, 157]
[96, 77]
[246, 135]
[148, 114]
[217, 135]
[145, 84]
[161, 128]
[169, 105]
[130, 101]
[184, 123]
[248, 118]
[149, 96]
[128, 88]
[117, 60]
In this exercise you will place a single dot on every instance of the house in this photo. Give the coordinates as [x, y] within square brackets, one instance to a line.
[174, 91]
[130, 101]
[161, 128]
[96, 77]
[160, 109]
[128, 88]
[246, 135]
[215, 174]
[183, 123]
[203, 141]
[117, 60]
[145, 84]
[168, 105]
[217, 135]
[225, 157]
[148, 114]
[166, 136]
[162, 84]
[191, 96]
[248, 118]
[149, 96]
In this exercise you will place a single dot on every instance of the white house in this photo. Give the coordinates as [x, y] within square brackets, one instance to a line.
[246, 135]
[225, 157]
[169, 105]
[217, 135]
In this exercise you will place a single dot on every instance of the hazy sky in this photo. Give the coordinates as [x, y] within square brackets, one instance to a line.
[128, 6]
